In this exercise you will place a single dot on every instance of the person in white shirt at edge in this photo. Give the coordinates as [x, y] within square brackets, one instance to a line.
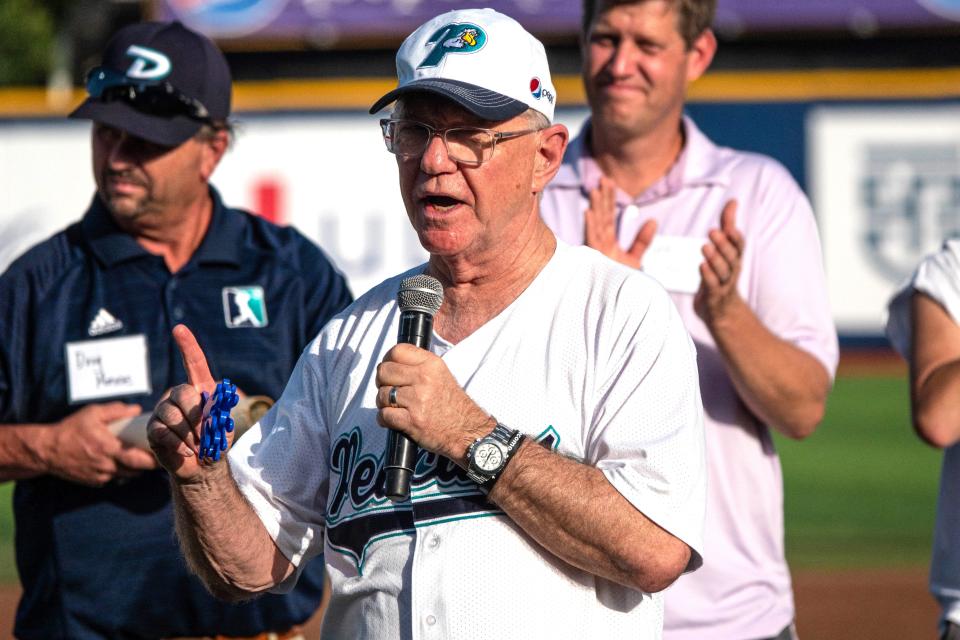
[600, 506]
[733, 239]
[924, 327]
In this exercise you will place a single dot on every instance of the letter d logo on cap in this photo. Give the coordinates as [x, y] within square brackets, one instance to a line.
[148, 64]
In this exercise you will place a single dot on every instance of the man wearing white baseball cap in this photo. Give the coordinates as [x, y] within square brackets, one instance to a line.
[563, 516]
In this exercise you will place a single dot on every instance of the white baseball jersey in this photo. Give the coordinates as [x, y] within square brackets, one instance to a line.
[591, 359]
[938, 276]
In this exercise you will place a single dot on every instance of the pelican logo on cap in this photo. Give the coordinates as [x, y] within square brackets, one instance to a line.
[454, 38]
[148, 64]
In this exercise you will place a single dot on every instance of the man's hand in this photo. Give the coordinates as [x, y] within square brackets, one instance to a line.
[174, 428]
[600, 227]
[81, 448]
[432, 409]
[720, 269]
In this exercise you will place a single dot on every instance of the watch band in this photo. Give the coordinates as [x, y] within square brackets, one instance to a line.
[509, 439]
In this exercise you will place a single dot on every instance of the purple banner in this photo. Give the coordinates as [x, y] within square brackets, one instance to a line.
[334, 22]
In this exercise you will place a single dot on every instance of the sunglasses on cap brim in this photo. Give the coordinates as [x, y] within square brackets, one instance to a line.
[159, 98]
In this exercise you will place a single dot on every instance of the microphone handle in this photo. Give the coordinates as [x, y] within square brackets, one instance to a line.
[416, 328]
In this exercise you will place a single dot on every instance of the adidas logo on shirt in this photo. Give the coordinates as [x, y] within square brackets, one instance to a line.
[104, 322]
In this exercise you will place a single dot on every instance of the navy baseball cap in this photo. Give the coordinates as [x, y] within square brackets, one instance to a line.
[158, 81]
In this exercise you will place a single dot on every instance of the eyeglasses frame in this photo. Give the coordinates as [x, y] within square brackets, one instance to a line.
[496, 136]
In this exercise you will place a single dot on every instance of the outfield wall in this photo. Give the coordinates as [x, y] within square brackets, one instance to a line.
[878, 152]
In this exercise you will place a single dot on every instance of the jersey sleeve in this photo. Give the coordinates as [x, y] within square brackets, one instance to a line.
[938, 276]
[280, 466]
[647, 431]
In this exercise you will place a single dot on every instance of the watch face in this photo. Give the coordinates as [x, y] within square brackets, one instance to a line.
[487, 456]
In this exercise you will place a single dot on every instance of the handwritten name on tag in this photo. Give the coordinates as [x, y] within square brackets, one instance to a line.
[107, 368]
[674, 261]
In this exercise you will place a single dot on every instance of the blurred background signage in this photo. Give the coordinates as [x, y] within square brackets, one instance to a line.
[332, 22]
[885, 183]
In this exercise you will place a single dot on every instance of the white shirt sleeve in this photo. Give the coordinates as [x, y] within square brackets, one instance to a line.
[280, 465]
[938, 276]
[647, 437]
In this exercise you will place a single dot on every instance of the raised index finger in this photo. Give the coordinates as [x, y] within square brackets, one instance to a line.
[194, 361]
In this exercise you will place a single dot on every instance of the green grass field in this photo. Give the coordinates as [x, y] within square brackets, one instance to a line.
[861, 492]
[8, 572]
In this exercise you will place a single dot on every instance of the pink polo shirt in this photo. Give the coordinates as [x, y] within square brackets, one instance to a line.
[743, 590]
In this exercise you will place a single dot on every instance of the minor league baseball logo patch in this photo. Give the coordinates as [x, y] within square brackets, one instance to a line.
[244, 307]
[454, 38]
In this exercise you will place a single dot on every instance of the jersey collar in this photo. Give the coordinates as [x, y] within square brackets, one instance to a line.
[698, 164]
[111, 245]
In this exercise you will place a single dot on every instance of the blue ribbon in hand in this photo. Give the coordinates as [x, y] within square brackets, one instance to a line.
[216, 422]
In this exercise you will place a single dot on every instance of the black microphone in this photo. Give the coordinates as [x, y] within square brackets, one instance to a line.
[419, 299]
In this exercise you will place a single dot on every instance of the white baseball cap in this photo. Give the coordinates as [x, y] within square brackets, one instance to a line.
[479, 58]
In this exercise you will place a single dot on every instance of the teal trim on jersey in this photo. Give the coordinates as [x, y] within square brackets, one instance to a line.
[390, 506]
[430, 523]
[546, 434]
[434, 490]
[453, 488]
[359, 561]
[465, 491]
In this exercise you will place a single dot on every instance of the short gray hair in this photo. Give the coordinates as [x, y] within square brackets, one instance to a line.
[536, 119]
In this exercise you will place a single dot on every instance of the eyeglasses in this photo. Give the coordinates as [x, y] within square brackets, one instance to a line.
[471, 146]
[155, 98]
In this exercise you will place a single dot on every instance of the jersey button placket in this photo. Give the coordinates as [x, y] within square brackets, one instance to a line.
[427, 569]
[174, 309]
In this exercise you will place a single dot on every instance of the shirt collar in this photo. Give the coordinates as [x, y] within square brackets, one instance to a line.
[112, 245]
[698, 164]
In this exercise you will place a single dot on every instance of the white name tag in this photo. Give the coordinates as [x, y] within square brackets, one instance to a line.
[674, 261]
[107, 368]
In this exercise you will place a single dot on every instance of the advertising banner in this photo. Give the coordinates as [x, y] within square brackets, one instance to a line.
[329, 22]
[328, 175]
[885, 183]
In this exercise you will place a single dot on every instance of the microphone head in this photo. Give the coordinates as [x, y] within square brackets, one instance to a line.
[420, 293]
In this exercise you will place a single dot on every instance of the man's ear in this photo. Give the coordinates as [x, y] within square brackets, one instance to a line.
[214, 146]
[553, 142]
[701, 54]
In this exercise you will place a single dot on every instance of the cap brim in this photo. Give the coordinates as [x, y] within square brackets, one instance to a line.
[481, 102]
[169, 132]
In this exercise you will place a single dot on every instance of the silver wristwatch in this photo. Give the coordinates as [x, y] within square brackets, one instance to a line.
[488, 456]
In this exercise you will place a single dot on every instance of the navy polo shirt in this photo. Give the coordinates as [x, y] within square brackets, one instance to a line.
[104, 563]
